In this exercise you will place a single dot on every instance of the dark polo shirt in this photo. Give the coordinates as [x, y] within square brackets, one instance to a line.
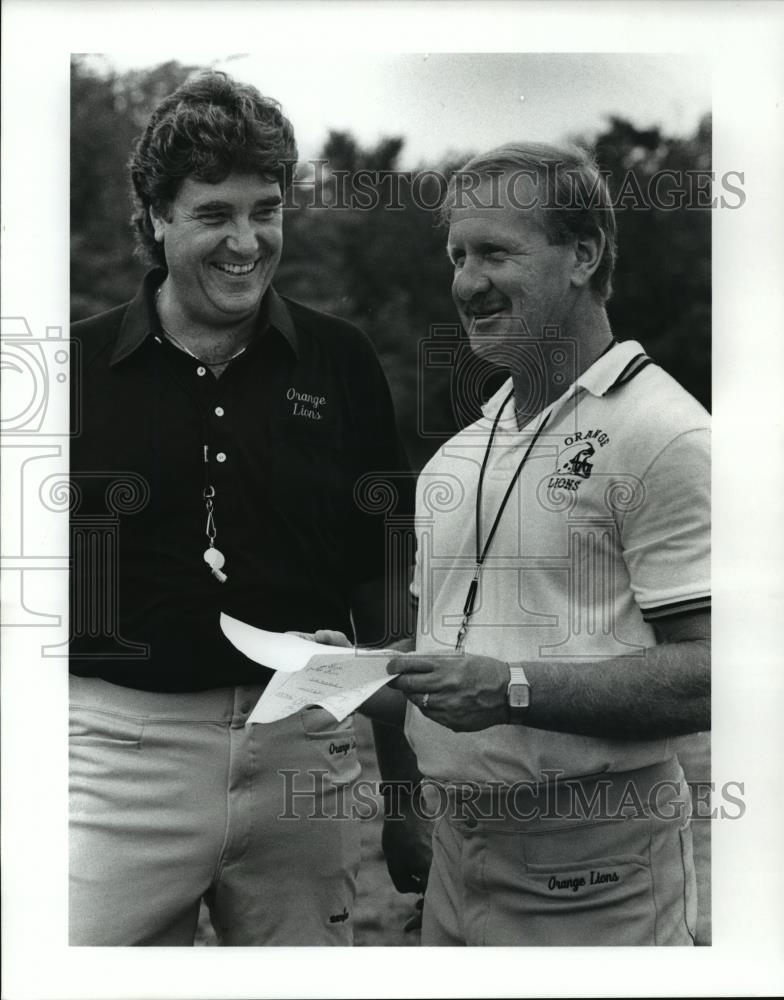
[289, 428]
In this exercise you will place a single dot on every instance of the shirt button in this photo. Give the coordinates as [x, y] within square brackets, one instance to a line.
[201, 370]
[245, 707]
[221, 456]
[219, 411]
[471, 823]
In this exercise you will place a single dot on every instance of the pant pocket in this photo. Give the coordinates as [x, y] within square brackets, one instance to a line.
[604, 900]
[591, 885]
[332, 745]
[104, 750]
[88, 727]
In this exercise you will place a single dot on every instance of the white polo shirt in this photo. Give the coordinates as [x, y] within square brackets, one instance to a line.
[607, 528]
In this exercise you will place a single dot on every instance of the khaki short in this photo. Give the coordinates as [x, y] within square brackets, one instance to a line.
[547, 872]
[173, 799]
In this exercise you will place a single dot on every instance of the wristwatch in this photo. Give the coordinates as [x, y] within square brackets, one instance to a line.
[518, 693]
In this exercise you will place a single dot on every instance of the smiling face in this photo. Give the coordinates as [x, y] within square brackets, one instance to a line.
[223, 243]
[509, 281]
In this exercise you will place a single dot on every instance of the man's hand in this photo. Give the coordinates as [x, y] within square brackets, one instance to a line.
[406, 846]
[663, 692]
[464, 693]
[326, 636]
[405, 841]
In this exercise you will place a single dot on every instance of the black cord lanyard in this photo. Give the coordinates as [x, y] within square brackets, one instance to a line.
[482, 550]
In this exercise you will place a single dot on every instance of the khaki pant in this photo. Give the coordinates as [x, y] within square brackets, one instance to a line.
[173, 799]
[549, 873]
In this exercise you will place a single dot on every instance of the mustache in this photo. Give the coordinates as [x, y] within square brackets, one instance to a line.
[477, 308]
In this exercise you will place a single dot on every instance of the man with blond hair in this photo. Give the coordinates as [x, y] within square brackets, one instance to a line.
[563, 643]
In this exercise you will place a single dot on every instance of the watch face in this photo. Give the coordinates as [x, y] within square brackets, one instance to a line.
[519, 695]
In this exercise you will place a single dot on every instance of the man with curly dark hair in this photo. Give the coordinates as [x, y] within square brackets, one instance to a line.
[241, 422]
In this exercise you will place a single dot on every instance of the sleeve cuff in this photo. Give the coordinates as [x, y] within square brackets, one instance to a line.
[676, 608]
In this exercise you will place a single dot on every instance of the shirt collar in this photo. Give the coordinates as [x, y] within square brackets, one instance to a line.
[141, 318]
[612, 369]
[279, 317]
[496, 401]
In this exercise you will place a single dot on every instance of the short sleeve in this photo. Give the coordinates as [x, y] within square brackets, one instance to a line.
[666, 539]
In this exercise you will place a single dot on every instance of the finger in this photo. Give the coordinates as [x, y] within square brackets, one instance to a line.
[414, 922]
[413, 684]
[410, 665]
[311, 636]
[331, 637]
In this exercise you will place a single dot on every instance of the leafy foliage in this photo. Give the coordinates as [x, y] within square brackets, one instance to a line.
[663, 278]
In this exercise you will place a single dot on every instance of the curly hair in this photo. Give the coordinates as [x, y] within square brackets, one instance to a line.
[206, 129]
[574, 200]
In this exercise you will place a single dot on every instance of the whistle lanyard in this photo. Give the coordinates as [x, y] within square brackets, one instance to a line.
[213, 556]
[482, 550]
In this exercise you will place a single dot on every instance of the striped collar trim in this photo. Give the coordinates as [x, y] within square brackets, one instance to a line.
[615, 368]
[609, 372]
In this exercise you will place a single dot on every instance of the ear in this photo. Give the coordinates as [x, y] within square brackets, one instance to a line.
[158, 224]
[588, 253]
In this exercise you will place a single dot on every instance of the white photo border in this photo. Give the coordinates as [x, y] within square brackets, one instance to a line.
[744, 44]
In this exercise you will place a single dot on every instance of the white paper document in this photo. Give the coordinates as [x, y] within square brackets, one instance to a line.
[276, 650]
[337, 678]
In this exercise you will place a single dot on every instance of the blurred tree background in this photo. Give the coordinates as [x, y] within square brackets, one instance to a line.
[385, 269]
